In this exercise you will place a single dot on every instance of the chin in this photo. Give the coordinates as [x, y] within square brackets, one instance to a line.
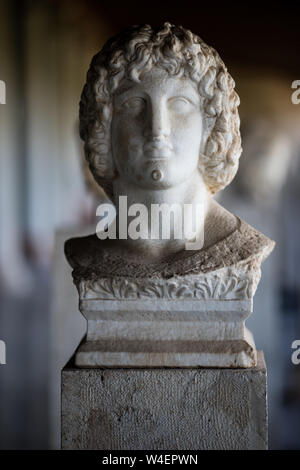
[157, 174]
[164, 181]
[169, 175]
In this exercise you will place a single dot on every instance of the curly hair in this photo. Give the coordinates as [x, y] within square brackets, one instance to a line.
[178, 51]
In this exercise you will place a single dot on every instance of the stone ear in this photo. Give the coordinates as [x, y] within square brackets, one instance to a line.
[102, 166]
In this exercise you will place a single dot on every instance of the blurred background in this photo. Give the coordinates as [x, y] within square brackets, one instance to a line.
[47, 196]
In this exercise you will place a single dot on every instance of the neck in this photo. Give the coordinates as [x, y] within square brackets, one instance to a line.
[148, 228]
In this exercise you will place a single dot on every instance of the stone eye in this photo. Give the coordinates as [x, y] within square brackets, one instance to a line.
[180, 104]
[134, 104]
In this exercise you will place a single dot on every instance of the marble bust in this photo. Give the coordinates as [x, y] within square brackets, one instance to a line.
[160, 125]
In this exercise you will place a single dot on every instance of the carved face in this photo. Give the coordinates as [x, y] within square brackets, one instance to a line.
[156, 130]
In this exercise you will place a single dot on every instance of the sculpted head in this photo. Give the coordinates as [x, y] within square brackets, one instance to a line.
[157, 106]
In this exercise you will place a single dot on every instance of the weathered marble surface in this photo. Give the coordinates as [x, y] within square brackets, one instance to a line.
[162, 409]
[92, 259]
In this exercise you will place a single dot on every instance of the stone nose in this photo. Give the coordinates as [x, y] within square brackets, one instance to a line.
[157, 123]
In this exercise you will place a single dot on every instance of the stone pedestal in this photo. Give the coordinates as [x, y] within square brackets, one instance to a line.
[185, 311]
[164, 409]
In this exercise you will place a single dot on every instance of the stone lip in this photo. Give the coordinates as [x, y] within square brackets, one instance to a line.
[164, 346]
[240, 353]
[71, 366]
[91, 258]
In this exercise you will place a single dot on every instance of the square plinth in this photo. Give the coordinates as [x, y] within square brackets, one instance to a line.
[164, 409]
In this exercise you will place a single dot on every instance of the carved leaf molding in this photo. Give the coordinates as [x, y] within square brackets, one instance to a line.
[212, 287]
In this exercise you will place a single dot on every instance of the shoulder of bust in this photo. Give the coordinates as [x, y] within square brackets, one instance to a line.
[244, 246]
[90, 258]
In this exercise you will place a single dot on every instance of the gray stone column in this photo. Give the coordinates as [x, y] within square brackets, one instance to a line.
[164, 408]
